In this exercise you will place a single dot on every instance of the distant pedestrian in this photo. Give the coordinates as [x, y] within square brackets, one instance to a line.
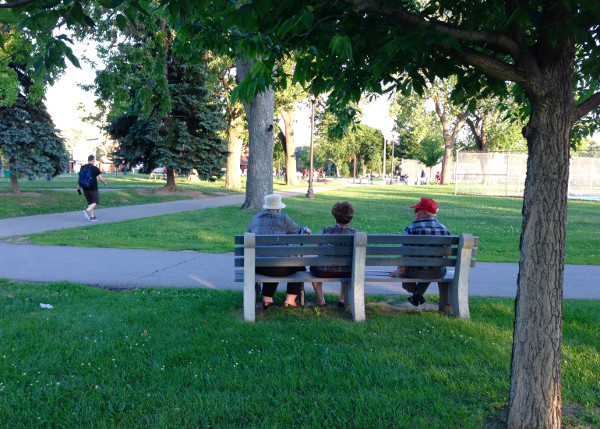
[90, 187]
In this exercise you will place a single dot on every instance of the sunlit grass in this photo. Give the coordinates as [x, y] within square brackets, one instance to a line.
[379, 210]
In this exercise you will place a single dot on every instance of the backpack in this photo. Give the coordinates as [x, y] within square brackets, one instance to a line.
[85, 177]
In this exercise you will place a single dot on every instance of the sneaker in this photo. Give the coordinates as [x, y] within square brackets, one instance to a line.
[86, 214]
[94, 219]
[416, 300]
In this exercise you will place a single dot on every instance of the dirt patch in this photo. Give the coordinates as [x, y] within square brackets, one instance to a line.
[163, 192]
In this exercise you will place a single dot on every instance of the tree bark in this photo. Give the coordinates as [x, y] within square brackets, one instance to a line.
[260, 113]
[14, 181]
[235, 131]
[535, 396]
[171, 186]
[290, 148]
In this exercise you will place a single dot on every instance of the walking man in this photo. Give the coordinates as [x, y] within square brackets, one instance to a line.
[88, 181]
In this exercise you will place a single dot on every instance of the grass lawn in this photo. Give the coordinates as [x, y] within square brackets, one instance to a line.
[380, 209]
[58, 195]
[184, 358]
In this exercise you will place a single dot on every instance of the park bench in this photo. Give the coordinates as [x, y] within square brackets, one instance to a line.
[371, 257]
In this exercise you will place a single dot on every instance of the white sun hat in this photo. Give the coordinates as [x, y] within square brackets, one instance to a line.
[273, 202]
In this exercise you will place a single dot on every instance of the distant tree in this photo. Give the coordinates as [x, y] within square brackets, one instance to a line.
[28, 138]
[160, 107]
[430, 152]
[185, 139]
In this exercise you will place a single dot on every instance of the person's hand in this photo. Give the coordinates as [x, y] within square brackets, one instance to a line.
[308, 231]
[400, 271]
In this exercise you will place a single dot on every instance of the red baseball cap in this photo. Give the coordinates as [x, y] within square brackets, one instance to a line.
[427, 204]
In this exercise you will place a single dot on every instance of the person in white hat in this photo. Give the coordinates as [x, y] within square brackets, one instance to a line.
[425, 223]
[272, 221]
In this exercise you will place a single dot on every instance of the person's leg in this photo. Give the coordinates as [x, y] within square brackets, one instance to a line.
[268, 291]
[318, 287]
[293, 289]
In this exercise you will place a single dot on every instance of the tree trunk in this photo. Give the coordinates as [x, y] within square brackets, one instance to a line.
[14, 181]
[171, 186]
[448, 156]
[535, 397]
[235, 131]
[290, 148]
[260, 113]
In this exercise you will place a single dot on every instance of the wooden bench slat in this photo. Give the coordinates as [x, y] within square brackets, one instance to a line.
[262, 240]
[446, 240]
[411, 251]
[338, 261]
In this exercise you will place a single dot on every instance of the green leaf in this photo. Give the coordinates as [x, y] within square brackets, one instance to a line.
[121, 22]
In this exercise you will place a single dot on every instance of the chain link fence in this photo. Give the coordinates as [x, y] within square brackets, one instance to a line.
[503, 174]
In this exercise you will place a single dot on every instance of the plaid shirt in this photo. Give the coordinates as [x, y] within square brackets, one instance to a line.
[267, 223]
[427, 226]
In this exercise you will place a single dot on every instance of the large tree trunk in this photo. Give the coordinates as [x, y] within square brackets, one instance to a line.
[260, 114]
[235, 131]
[290, 148]
[535, 396]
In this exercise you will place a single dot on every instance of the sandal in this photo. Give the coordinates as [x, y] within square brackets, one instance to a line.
[340, 304]
[287, 304]
[322, 305]
[267, 304]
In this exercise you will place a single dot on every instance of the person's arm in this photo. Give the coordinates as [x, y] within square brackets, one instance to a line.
[101, 179]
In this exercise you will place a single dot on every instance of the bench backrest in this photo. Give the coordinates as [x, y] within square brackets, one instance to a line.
[337, 249]
[417, 250]
[299, 250]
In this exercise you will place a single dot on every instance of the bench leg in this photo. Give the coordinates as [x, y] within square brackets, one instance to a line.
[355, 296]
[249, 299]
[459, 299]
[445, 306]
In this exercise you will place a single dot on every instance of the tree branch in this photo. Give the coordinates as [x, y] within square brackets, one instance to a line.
[586, 107]
[489, 65]
[16, 4]
[499, 42]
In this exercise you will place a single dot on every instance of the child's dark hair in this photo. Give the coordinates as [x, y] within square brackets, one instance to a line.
[343, 212]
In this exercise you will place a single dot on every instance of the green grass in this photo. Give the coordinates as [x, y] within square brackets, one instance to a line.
[58, 195]
[184, 358]
[379, 210]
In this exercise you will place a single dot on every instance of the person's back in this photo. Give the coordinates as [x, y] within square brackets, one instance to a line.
[270, 222]
[425, 223]
[343, 212]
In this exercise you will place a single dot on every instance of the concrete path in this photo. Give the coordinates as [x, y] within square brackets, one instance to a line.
[134, 268]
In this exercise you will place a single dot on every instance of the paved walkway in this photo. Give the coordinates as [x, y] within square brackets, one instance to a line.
[129, 268]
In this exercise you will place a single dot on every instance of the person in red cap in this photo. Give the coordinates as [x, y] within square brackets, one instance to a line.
[425, 223]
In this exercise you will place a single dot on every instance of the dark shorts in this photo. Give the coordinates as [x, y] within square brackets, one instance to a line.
[91, 196]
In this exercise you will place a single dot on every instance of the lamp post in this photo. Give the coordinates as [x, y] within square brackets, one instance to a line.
[310, 193]
[372, 149]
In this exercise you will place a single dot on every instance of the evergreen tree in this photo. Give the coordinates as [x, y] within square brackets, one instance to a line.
[28, 138]
[185, 139]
